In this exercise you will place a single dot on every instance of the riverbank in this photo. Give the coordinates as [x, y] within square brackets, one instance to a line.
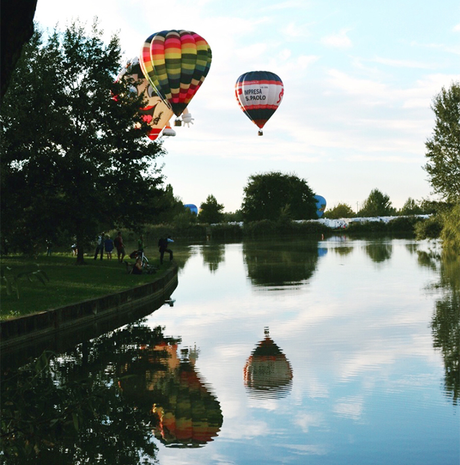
[35, 285]
[54, 329]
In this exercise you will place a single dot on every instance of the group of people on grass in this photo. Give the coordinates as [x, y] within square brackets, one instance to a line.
[105, 243]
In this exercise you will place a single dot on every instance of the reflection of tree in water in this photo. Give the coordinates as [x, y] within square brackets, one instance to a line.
[343, 251]
[446, 323]
[430, 259]
[69, 408]
[213, 254]
[268, 373]
[379, 251]
[181, 255]
[273, 263]
[412, 247]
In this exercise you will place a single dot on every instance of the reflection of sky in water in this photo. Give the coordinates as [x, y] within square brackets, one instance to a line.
[367, 383]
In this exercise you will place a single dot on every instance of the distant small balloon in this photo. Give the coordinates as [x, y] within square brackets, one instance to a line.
[192, 208]
[320, 205]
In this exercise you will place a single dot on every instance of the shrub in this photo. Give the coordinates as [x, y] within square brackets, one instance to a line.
[430, 228]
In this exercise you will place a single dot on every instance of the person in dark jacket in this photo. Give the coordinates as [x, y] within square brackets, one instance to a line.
[163, 246]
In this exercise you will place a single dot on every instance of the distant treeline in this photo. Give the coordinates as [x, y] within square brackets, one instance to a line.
[408, 227]
[402, 226]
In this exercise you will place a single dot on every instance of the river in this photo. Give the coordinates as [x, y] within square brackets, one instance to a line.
[295, 352]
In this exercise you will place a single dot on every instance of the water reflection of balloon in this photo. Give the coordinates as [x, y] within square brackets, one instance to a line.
[320, 205]
[156, 113]
[259, 94]
[176, 63]
[187, 414]
[268, 373]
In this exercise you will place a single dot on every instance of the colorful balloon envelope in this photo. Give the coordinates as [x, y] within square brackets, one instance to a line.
[259, 94]
[176, 63]
[156, 113]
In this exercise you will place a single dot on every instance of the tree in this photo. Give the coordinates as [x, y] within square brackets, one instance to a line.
[450, 233]
[377, 204]
[341, 210]
[236, 216]
[267, 195]
[443, 148]
[211, 211]
[411, 207]
[71, 156]
[170, 205]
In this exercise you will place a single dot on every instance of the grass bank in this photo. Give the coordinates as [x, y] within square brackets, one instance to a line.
[54, 281]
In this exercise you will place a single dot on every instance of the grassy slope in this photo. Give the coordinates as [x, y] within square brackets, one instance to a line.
[68, 283]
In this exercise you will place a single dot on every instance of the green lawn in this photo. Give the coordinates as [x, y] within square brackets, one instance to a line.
[68, 283]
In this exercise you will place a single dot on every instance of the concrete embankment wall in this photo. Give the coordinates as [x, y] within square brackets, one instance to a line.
[87, 318]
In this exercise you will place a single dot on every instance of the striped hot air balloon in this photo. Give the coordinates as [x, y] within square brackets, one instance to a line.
[176, 63]
[259, 94]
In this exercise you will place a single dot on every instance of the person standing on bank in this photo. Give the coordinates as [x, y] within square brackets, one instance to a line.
[118, 243]
[163, 246]
[108, 243]
[100, 246]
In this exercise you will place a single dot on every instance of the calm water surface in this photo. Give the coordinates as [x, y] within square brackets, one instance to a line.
[356, 378]
[299, 352]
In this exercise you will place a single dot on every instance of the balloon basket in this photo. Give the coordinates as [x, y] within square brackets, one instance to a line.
[178, 122]
[260, 133]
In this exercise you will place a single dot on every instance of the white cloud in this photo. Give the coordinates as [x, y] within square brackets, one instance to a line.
[339, 40]
[403, 63]
[251, 51]
[288, 4]
[307, 420]
[351, 407]
[312, 449]
[295, 31]
[362, 87]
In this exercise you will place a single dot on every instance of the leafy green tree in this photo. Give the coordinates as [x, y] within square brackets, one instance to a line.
[377, 204]
[411, 207]
[71, 156]
[450, 233]
[341, 210]
[170, 206]
[443, 166]
[184, 219]
[443, 148]
[235, 216]
[268, 195]
[211, 211]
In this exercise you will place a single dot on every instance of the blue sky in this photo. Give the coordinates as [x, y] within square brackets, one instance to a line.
[359, 78]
